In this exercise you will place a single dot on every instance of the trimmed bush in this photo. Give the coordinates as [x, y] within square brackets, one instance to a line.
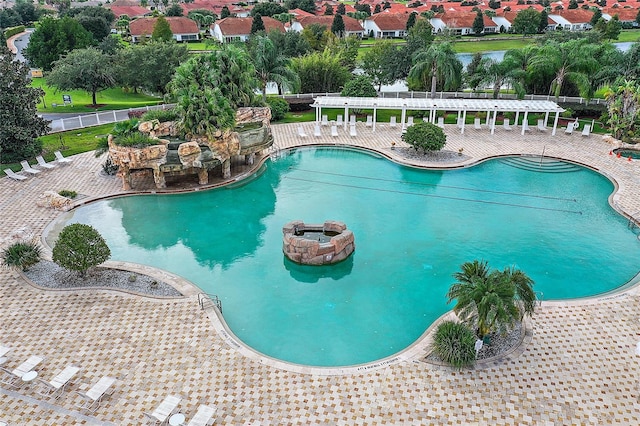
[13, 31]
[454, 343]
[279, 107]
[359, 86]
[80, 247]
[67, 193]
[425, 136]
[160, 115]
[21, 255]
[136, 140]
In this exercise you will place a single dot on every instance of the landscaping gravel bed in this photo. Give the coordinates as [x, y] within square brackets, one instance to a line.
[443, 156]
[49, 274]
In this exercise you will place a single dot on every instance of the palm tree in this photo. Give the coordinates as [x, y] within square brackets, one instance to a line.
[272, 66]
[491, 300]
[500, 73]
[571, 61]
[437, 63]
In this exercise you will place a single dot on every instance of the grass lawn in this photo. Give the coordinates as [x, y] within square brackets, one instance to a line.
[628, 35]
[200, 46]
[487, 45]
[108, 99]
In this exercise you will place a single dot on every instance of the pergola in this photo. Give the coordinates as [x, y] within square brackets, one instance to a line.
[461, 106]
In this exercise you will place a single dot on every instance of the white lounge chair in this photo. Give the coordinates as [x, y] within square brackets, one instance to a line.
[316, 131]
[164, 410]
[441, 122]
[506, 125]
[339, 120]
[571, 127]
[27, 168]
[369, 121]
[410, 121]
[92, 399]
[334, 131]
[60, 158]
[13, 377]
[541, 126]
[13, 175]
[586, 130]
[301, 132]
[352, 131]
[352, 119]
[526, 127]
[392, 121]
[44, 164]
[476, 124]
[202, 416]
[460, 123]
[3, 351]
[325, 120]
[56, 386]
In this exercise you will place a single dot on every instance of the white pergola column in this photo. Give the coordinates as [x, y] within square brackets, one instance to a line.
[493, 123]
[403, 116]
[318, 112]
[546, 117]
[488, 119]
[524, 122]
[517, 117]
[375, 110]
[464, 118]
[435, 114]
[346, 116]
[555, 123]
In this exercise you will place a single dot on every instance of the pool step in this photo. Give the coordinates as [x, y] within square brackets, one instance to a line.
[534, 164]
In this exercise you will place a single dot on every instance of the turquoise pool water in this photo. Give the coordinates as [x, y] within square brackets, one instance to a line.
[413, 229]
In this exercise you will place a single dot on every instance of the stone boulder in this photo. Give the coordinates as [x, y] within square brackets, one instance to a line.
[53, 200]
[149, 157]
[189, 154]
[253, 114]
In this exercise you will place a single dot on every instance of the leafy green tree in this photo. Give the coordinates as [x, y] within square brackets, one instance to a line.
[290, 43]
[174, 10]
[53, 38]
[544, 21]
[149, 66]
[411, 21]
[80, 247]
[491, 300]
[328, 10]
[613, 28]
[306, 5]
[502, 73]
[162, 30]
[284, 18]
[638, 17]
[630, 64]
[478, 23]
[365, 8]
[279, 108]
[272, 66]
[341, 9]
[473, 73]
[267, 9]
[597, 14]
[21, 255]
[454, 343]
[419, 38]
[96, 25]
[623, 107]
[320, 72]
[360, 86]
[20, 125]
[377, 9]
[225, 13]
[27, 11]
[9, 18]
[317, 36]
[425, 136]
[494, 4]
[83, 69]
[347, 49]
[526, 22]
[257, 24]
[93, 11]
[337, 26]
[438, 63]
[376, 63]
[573, 4]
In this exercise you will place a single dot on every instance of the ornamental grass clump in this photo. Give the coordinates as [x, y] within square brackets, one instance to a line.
[80, 247]
[454, 343]
[21, 255]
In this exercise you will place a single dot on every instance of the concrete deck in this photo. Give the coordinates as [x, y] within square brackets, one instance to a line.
[579, 368]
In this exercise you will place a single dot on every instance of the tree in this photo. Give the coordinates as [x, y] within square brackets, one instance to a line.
[411, 21]
[80, 247]
[267, 9]
[328, 10]
[613, 28]
[502, 73]
[94, 11]
[96, 25]
[425, 136]
[272, 66]
[474, 73]
[597, 14]
[224, 13]
[377, 9]
[83, 69]
[638, 17]
[162, 30]
[341, 9]
[20, 125]
[290, 43]
[337, 26]
[623, 107]
[317, 36]
[256, 24]
[478, 23]
[494, 4]
[27, 11]
[377, 65]
[438, 63]
[526, 22]
[544, 21]
[320, 72]
[491, 300]
[360, 86]
[53, 38]
[174, 10]
[573, 4]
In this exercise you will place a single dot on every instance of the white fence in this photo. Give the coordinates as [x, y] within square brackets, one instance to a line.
[98, 118]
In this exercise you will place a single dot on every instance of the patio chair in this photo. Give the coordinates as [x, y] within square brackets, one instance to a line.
[60, 158]
[44, 164]
[506, 125]
[334, 131]
[476, 124]
[164, 410]
[460, 123]
[13, 378]
[369, 121]
[339, 120]
[3, 351]
[301, 132]
[92, 399]
[392, 121]
[202, 416]
[410, 120]
[441, 122]
[352, 131]
[27, 168]
[56, 386]
[586, 130]
[325, 120]
[316, 131]
[13, 175]
[526, 127]
[352, 119]
[571, 127]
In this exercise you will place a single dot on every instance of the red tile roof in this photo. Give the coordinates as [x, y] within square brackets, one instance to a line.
[130, 11]
[350, 24]
[457, 19]
[242, 26]
[575, 16]
[624, 14]
[179, 25]
[390, 21]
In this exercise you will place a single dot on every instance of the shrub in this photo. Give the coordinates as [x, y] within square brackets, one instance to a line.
[13, 31]
[21, 255]
[160, 115]
[425, 136]
[126, 127]
[136, 113]
[359, 86]
[567, 113]
[67, 193]
[454, 343]
[80, 247]
[299, 104]
[136, 140]
[109, 167]
[279, 107]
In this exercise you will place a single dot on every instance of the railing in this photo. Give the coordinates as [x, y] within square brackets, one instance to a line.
[205, 299]
[539, 297]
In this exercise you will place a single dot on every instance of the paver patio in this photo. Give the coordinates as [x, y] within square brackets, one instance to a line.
[580, 367]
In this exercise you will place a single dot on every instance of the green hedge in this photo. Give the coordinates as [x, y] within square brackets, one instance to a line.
[13, 31]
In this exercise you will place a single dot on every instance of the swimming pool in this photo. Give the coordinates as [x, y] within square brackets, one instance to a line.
[413, 229]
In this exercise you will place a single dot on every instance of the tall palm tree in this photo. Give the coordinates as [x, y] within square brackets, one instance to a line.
[491, 300]
[571, 61]
[438, 63]
[521, 58]
[500, 73]
[272, 66]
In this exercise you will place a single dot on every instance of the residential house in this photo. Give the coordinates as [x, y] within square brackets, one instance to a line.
[625, 15]
[239, 29]
[183, 29]
[130, 11]
[351, 26]
[461, 23]
[572, 19]
[387, 25]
